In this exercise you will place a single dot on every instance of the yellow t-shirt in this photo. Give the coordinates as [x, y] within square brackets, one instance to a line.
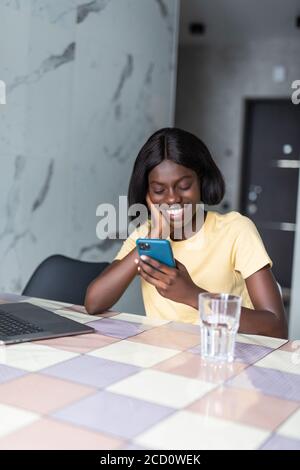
[219, 257]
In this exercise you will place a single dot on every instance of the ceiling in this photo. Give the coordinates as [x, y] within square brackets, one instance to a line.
[231, 21]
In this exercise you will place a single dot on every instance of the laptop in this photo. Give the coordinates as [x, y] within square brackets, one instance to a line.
[22, 321]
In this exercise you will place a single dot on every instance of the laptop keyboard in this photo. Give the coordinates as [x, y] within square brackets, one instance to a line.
[13, 326]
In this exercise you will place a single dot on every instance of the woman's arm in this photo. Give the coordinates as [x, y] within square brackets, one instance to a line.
[268, 317]
[109, 286]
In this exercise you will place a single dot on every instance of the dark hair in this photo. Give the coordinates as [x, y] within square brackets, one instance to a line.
[183, 148]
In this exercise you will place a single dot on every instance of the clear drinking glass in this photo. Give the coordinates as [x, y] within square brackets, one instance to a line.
[219, 323]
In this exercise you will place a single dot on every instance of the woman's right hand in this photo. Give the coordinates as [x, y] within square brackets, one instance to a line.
[159, 227]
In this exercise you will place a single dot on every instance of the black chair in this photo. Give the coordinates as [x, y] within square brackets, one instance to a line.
[64, 279]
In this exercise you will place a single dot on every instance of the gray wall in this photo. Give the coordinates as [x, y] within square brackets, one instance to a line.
[212, 84]
[87, 83]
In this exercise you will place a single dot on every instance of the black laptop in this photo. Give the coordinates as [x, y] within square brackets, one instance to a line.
[22, 321]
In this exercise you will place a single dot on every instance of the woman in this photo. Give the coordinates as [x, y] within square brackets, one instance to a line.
[224, 254]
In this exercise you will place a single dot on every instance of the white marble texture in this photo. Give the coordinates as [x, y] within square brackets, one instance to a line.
[87, 83]
[13, 64]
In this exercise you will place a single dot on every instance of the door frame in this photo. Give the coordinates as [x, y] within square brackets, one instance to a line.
[248, 101]
[294, 316]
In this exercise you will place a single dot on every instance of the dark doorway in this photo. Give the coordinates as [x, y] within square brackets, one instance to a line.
[271, 162]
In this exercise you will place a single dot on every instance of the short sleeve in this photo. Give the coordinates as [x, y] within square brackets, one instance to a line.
[130, 243]
[127, 246]
[249, 252]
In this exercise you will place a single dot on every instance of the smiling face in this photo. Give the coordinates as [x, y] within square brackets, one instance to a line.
[175, 185]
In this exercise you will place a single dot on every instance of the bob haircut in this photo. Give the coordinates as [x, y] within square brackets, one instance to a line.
[183, 148]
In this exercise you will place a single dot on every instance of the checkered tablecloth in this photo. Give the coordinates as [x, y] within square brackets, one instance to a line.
[141, 384]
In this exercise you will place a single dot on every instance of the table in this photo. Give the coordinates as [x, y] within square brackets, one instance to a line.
[141, 384]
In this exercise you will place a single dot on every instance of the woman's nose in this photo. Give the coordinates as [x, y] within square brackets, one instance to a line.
[173, 197]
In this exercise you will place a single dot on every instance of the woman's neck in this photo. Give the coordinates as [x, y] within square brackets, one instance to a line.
[195, 229]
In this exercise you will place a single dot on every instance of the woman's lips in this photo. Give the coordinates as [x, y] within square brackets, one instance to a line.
[175, 214]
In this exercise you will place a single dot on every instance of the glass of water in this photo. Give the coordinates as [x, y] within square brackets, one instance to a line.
[219, 323]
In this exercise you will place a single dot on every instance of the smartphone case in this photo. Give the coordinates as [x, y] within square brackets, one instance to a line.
[158, 249]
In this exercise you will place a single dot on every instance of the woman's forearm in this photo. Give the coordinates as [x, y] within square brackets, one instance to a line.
[255, 322]
[106, 289]
[262, 322]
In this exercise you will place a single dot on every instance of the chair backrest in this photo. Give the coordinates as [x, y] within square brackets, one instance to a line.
[64, 279]
[280, 289]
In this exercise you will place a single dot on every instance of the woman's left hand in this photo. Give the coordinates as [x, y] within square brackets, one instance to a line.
[173, 283]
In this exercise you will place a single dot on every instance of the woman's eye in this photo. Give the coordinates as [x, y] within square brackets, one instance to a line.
[158, 192]
[185, 188]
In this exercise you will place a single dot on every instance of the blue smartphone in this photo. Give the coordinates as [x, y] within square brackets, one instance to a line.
[158, 249]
